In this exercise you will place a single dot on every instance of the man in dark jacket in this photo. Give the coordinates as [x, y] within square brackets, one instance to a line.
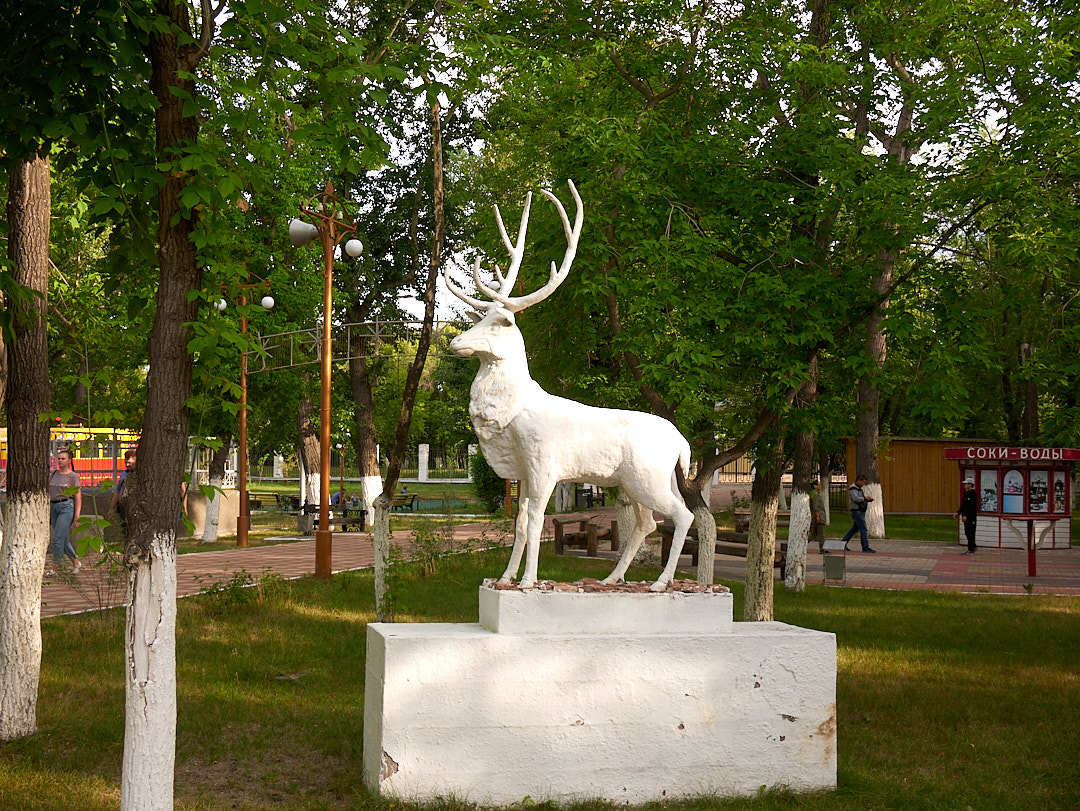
[857, 501]
[969, 510]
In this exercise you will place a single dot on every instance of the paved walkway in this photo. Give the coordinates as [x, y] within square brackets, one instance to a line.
[898, 564]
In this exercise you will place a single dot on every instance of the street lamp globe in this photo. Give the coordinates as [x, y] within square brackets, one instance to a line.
[267, 302]
[221, 305]
[354, 248]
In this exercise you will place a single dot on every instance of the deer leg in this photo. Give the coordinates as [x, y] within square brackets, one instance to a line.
[635, 522]
[538, 499]
[683, 518]
[520, 530]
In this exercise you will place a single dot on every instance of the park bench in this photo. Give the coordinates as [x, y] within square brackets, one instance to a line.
[742, 519]
[587, 497]
[587, 536]
[287, 503]
[727, 543]
[400, 502]
[353, 519]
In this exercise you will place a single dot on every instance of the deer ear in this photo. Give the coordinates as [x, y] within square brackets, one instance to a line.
[474, 316]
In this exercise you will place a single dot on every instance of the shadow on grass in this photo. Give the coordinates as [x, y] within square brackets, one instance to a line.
[945, 701]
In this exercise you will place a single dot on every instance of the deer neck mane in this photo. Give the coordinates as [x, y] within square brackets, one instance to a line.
[498, 393]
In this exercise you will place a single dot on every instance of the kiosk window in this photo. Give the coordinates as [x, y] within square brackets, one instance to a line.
[1039, 492]
[1059, 491]
[988, 491]
[1013, 486]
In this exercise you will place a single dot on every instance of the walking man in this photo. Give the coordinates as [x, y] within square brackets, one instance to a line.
[969, 511]
[857, 501]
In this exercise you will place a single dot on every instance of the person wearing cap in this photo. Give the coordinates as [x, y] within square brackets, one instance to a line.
[969, 510]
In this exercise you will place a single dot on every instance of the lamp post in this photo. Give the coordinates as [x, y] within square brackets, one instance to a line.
[325, 217]
[243, 519]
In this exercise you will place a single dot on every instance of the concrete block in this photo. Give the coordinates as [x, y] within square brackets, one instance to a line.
[494, 717]
[535, 611]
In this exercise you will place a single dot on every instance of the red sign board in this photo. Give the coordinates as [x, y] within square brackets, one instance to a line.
[991, 453]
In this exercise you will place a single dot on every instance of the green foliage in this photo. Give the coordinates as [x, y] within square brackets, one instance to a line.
[490, 488]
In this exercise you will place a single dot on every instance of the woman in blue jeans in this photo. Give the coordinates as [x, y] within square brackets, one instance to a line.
[857, 501]
[65, 504]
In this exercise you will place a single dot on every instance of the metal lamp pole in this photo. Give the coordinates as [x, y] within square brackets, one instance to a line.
[327, 214]
[243, 519]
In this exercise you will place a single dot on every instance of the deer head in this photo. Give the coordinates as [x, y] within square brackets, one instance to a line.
[495, 334]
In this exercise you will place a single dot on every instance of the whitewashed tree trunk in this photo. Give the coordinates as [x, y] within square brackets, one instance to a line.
[781, 498]
[311, 483]
[875, 510]
[22, 558]
[798, 534]
[706, 527]
[382, 557]
[213, 512]
[150, 664]
[370, 488]
[564, 498]
[826, 487]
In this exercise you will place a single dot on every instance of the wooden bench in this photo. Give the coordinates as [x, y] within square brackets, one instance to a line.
[354, 519]
[587, 536]
[727, 543]
[399, 502]
[587, 496]
[287, 503]
[742, 519]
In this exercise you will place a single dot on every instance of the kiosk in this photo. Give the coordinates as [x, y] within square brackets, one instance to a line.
[1025, 496]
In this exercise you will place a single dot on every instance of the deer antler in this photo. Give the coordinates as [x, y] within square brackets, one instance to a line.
[500, 292]
[477, 304]
[558, 275]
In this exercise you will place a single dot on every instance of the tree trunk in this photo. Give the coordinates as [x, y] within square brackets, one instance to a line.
[216, 476]
[416, 369]
[825, 472]
[695, 493]
[869, 402]
[760, 550]
[153, 490]
[364, 420]
[1030, 417]
[308, 450]
[799, 523]
[384, 609]
[26, 530]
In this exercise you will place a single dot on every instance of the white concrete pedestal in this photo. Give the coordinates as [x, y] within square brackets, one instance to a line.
[627, 697]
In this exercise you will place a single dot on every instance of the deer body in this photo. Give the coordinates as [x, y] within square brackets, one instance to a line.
[540, 439]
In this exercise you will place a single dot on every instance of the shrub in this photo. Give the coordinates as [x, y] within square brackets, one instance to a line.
[489, 487]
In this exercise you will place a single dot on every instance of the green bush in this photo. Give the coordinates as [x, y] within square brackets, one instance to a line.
[489, 488]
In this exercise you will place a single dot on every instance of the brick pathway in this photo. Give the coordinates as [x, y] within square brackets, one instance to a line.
[898, 564]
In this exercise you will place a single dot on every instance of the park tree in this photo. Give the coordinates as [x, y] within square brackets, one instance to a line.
[60, 63]
[786, 168]
[26, 526]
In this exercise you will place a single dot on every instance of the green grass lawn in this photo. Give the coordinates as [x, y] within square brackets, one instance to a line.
[944, 700]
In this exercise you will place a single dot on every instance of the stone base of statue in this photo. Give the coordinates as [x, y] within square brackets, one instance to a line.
[565, 695]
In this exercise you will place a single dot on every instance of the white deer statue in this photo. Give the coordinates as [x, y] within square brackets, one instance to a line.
[540, 439]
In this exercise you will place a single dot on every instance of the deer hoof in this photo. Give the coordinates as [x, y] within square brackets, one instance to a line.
[527, 583]
[659, 585]
[505, 580]
[611, 580]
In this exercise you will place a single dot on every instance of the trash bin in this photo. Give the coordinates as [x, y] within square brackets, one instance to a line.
[835, 560]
